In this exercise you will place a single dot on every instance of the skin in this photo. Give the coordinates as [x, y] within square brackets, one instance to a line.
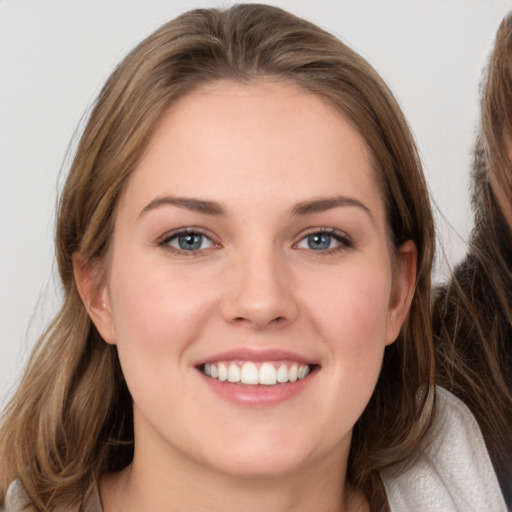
[257, 151]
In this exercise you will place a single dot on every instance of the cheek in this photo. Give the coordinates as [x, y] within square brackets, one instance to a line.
[355, 301]
[158, 313]
[350, 312]
[156, 308]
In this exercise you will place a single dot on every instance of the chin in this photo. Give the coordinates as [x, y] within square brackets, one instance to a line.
[265, 456]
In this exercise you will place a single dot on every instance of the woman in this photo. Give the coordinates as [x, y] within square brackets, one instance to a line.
[473, 312]
[245, 243]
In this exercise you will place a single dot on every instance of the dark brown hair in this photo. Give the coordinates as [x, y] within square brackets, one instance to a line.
[70, 421]
[473, 312]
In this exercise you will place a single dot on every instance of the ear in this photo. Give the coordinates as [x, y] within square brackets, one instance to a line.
[404, 283]
[94, 295]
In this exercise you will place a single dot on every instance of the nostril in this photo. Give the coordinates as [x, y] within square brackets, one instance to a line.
[277, 321]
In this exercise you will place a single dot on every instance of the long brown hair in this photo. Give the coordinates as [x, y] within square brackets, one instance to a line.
[70, 422]
[473, 311]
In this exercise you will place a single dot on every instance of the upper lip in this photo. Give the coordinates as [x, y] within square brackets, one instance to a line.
[256, 355]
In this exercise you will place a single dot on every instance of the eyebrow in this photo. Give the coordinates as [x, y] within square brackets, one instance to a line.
[215, 208]
[189, 203]
[327, 203]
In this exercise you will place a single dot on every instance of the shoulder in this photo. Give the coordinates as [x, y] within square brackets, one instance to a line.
[453, 472]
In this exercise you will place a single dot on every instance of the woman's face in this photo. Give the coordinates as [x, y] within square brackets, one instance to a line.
[250, 243]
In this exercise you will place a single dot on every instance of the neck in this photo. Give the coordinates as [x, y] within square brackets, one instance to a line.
[141, 486]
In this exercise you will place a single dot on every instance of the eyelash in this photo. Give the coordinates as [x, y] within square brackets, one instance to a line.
[341, 238]
[165, 241]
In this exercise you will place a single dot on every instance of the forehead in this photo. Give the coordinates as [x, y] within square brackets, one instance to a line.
[230, 139]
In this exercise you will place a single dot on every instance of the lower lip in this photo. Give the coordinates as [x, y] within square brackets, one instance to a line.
[258, 396]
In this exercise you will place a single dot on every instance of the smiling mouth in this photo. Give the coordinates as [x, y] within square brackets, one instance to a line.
[254, 374]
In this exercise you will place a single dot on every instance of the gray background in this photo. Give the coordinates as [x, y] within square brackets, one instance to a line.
[55, 55]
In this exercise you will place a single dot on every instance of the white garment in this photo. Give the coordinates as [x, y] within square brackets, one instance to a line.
[453, 474]
[16, 499]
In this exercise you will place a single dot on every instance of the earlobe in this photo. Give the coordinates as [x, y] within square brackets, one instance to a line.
[403, 289]
[94, 295]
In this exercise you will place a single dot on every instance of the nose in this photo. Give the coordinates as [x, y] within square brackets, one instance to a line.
[259, 292]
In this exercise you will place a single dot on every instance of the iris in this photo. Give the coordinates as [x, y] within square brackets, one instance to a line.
[190, 241]
[319, 241]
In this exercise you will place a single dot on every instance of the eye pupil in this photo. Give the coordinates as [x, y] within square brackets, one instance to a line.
[190, 241]
[319, 241]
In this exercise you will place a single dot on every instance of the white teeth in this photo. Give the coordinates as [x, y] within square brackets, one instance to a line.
[268, 374]
[248, 373]
[234, 373]
[223, 372]
[282, 374]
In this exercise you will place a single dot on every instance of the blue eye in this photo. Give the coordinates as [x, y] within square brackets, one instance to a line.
[319, 241]
[324, 241]
[188, 241]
